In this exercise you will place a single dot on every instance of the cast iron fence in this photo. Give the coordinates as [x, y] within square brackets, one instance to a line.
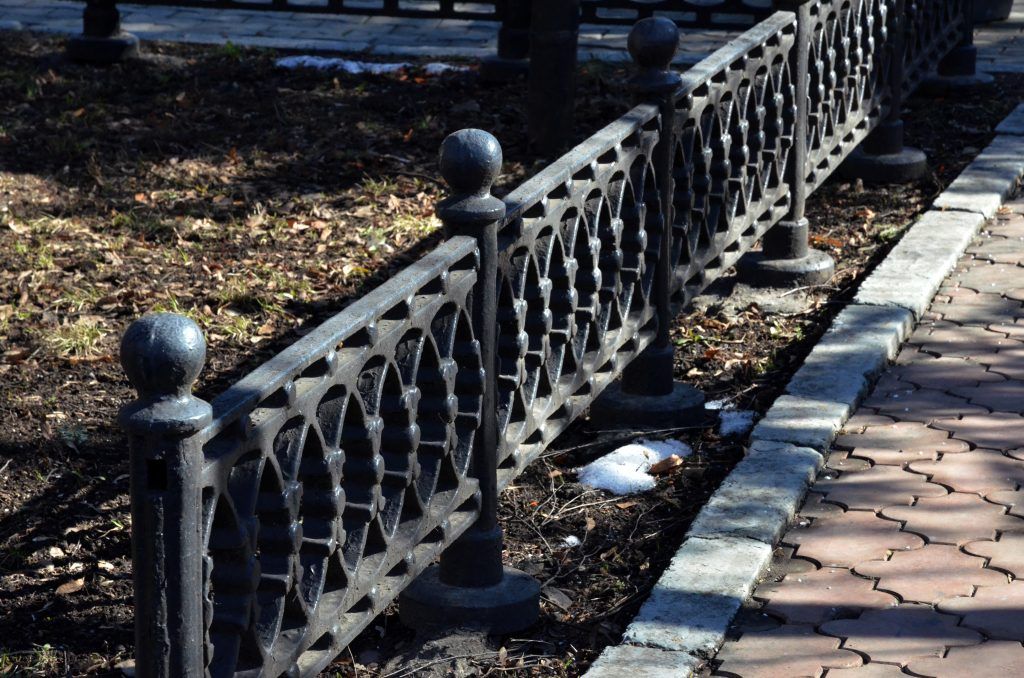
[271, 525]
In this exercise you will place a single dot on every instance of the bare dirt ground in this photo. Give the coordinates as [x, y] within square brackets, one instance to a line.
[259, 201]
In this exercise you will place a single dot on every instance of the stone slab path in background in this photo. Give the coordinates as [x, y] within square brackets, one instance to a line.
[907, 553]
[330, 32]
[1000, 45]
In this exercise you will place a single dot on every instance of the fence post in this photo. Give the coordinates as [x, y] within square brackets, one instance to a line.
[786, 258]
[512, 60]
[882, 158]
[957, 71]
[162, 354]
[554, 34]
[102, 41]
[471, 587]
[648, 396]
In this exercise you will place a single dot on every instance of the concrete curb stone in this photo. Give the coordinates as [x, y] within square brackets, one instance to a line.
[761, 495]
[697, 596]
[987, 181]
[642, 662]
[914, 269]
[1013, 123]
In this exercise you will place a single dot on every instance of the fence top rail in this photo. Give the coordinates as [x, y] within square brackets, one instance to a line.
[245, 394]
[735, 50]
[536, 188]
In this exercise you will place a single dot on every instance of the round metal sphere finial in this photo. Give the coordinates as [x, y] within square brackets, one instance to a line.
[163, 354]
[653, 42]
[470, 161]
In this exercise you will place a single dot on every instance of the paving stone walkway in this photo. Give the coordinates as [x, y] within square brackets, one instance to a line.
[437, 38]
[907, 554]
[1000, 45]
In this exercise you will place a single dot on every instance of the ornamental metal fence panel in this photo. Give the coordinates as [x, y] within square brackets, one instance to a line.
[271, 525]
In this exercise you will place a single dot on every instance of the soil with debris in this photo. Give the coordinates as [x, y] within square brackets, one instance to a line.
[259, 201]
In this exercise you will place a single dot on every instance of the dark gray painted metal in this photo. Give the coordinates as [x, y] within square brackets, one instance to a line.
[554, 34]
[162, 355]
[512, 59]
[102, 41]
[653, 43]
[471, 587]
[786, 258]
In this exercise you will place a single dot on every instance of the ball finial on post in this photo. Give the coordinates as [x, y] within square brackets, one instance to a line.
[653, 43]
[470, 162]
[162, 354]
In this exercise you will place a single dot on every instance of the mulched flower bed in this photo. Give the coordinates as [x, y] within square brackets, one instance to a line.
[259, 201]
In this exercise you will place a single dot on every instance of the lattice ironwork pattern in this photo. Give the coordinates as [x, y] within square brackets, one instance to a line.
[720, 14]
[933, 29]
[339, 470]
[574, 280]
[847, 75]
[732, 133]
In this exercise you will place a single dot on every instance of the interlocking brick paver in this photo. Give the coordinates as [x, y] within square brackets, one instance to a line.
[844, 463]
[982, 310]
[899, 443]
[1013, 500]
[956, 518]
[930, 574]
[952, 340]
[1007, 554]
[980, 471]
[995, 431]
[924, 405]
[985, 277]
[997, 249]
[876, 487]
[850, 538]
[1005, 396]
[1008, 362]
[996, 611]
[900, 634]
[928, 371]
[815, 506]
[862, 421]
[819, 596]
[872, 670]
[789, 651]
[996, 658]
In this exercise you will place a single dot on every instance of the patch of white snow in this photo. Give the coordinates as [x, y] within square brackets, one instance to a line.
[735, 422]
[624, 470]
[358, 67]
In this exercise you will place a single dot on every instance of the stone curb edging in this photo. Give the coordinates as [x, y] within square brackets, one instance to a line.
[730, 543]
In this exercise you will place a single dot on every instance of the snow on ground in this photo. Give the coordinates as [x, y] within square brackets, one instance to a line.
[359, 67]
[732, 422]
[624, 470]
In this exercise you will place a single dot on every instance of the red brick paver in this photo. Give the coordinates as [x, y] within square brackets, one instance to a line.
[921, 504]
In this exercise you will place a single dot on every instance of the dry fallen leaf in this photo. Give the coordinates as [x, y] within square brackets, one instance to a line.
[625, 504]
[557, 596]
[591, 524]
[666, 464]
[72, 586]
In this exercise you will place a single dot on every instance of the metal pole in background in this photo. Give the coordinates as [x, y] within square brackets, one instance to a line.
[554, 34]
[512, 60]
[102, 41]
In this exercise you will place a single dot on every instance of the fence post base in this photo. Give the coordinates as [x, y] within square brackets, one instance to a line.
[647, 397]
[471, 589]
[883, 159]
[102, 41]
[957, 74]
[786, 259]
